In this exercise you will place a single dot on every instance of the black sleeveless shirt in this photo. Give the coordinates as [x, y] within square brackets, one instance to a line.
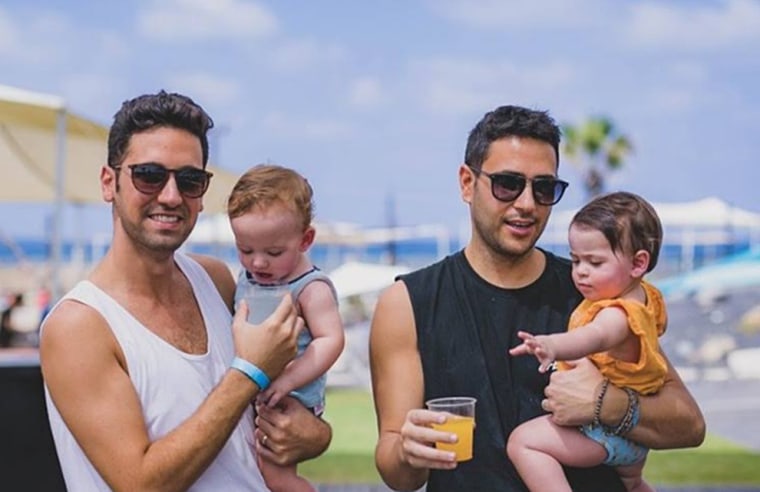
[465, 326]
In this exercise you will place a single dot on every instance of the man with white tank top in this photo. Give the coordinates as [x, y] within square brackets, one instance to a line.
[147, 386]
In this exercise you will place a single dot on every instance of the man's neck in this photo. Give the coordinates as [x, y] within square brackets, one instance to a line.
[125, 270]
[506, 271]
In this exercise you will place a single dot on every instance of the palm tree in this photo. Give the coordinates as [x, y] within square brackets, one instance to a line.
[596, 147]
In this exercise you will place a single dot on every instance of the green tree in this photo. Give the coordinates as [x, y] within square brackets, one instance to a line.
[597, 148]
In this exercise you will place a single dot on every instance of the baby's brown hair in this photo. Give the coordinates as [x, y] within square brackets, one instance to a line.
[265, 184]
[629, 223]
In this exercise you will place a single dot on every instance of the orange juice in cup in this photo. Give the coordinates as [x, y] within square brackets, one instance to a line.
[463, 427]
[460, 420]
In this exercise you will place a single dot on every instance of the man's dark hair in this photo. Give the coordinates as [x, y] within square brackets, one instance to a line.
[508, 121]
[156, 110]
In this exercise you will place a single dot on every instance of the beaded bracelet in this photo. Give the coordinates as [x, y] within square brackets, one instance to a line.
[597, 421]
[632, 414]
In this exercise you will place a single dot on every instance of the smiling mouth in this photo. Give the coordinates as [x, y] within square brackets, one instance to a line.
[520, 225]
[165, 219]
[522, 222]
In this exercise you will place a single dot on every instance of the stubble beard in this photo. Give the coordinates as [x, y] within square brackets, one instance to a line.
[502, 245]
[152, 242]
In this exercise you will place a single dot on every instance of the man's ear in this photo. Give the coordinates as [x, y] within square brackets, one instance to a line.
[108, 183]
[467, 179]
[640, 263]
[308, 238]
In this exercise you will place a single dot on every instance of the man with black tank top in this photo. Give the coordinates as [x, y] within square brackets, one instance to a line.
[445, 330]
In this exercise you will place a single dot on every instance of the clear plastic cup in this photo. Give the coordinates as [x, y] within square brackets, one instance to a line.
[460, 420]
[262, 300]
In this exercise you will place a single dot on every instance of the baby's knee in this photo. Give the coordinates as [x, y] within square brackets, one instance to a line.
[517, 441]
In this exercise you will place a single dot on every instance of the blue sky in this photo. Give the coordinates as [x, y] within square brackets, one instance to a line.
[372, 99]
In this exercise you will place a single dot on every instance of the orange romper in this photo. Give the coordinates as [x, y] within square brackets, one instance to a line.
[647, 375]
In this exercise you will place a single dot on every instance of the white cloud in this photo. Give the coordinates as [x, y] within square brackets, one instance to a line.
[206, 89]
[463, 85]
[500, 14]
[54, 54]
[8, 33]
[694, 28]
[366, 92]
[44, 39]
[689, 72]
[297, 55]
[672, 99]
[326, 129]
[683, 88]
[322, 129]
[686, 87]
[93, 95]
[189, 20]
[51, 40]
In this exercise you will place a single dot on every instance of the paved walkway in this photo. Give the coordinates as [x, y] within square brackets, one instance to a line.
[731, 408]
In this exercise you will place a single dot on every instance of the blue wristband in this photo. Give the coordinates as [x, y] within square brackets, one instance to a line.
[254, 373]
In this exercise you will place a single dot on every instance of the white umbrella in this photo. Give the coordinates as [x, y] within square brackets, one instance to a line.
[49, 155]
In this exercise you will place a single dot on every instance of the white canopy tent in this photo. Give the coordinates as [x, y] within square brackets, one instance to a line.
[707, 213]
[356, 278]
[706, 222]
[51, 155]
[216, 229]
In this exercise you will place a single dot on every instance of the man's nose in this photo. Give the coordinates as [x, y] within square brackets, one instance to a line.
[170, 193]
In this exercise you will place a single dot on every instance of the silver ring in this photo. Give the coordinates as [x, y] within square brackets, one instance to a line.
[264, 440]
[544, 404]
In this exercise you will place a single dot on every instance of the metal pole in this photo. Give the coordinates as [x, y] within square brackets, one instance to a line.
[60, 178]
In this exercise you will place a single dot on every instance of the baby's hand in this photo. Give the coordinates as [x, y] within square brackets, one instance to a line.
[536, 345]
[272, 396]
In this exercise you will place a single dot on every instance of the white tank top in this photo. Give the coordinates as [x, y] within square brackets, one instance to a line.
[170, 384]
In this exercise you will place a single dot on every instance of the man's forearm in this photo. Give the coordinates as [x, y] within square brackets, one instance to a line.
[395, 473]
[195, 444]
[668, 419]
[316, 444]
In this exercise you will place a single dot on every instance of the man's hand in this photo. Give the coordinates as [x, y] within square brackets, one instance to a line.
[418, 440]
[290, 433]
[271, 344]
[571, 394]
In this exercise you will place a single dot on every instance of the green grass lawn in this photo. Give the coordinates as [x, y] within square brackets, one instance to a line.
[350, 457]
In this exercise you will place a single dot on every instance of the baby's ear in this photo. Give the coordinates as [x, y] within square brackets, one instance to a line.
[640, 263]
[308, 238]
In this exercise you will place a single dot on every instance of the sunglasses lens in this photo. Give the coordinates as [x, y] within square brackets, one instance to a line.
[507, 187]
[192, 182]
[548, 191]
[149, 178]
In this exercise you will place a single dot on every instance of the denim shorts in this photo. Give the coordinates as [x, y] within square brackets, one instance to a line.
[620, 451]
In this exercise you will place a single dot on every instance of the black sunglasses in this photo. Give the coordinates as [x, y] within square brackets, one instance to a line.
[150, 178]
[506, 187]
